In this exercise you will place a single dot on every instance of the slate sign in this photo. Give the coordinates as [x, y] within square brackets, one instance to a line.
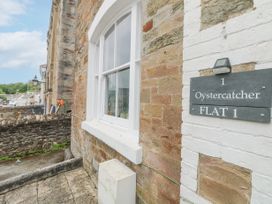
[241, 96]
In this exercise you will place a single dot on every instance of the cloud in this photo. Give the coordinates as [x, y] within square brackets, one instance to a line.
[11, 8]
[22, 50]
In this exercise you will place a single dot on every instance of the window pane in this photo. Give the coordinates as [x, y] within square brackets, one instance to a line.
[110, 96]
[123, 93]
[109, 49]
[123, 40]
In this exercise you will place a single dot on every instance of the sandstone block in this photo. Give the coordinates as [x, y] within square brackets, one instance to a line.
[164, 165]
[152, 110]
[222, 182]
[169, 85]
[145, 95]
[217, 11]
[170, 38]
[172, 117]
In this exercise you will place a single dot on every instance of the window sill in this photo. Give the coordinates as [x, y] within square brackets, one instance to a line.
[116, 138]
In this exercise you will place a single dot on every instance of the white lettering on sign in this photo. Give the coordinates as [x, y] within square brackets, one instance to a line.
[239, 96]
[218, 111]
[223, 81]
[235, 113]
[234, 95]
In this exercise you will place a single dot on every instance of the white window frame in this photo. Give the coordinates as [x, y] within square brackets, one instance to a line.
[120, 134]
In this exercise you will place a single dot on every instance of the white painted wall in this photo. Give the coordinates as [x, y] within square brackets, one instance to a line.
[246, 38]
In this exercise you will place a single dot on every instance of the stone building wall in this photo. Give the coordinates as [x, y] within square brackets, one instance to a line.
[225, 161]
[158, 177]
[60, 59]
[33, 132]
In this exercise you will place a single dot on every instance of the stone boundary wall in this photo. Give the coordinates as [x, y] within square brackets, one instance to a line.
[237, 148]
[33, 132]
[14, 113]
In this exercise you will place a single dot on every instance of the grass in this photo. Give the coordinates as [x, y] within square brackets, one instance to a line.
[61, 146]
[35, 152]
[5, 158]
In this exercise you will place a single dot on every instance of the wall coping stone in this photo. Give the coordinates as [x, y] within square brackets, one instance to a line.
[39, 174]
[20, 107]
[28, 119]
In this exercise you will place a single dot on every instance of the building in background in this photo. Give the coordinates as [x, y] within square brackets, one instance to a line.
[23, 99]
[43, 69]
[61, 47]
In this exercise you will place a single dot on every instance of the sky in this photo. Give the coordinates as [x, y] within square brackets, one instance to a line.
[23, 34]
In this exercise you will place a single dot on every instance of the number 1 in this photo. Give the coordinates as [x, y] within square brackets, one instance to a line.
[223, 81]
[235, 113]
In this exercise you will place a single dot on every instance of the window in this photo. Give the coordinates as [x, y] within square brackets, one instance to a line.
[116, 68]
[113, 77]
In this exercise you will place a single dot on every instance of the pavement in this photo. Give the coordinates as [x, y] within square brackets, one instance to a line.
[10, 169]
[71, 187]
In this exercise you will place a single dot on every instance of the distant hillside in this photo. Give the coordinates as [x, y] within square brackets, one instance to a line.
[18, 88]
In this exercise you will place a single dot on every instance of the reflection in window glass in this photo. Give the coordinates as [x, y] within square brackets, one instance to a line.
[123, 36]
[109, 49]
[123, 93]
[117, 46]
[110, 96]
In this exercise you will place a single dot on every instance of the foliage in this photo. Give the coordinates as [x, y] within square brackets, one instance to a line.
[54, 148]
[6, 158]
[57, 147]
[18, 88]
[3, 97]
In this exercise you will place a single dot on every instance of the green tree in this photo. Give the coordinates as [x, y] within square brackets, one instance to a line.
[18, 88]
